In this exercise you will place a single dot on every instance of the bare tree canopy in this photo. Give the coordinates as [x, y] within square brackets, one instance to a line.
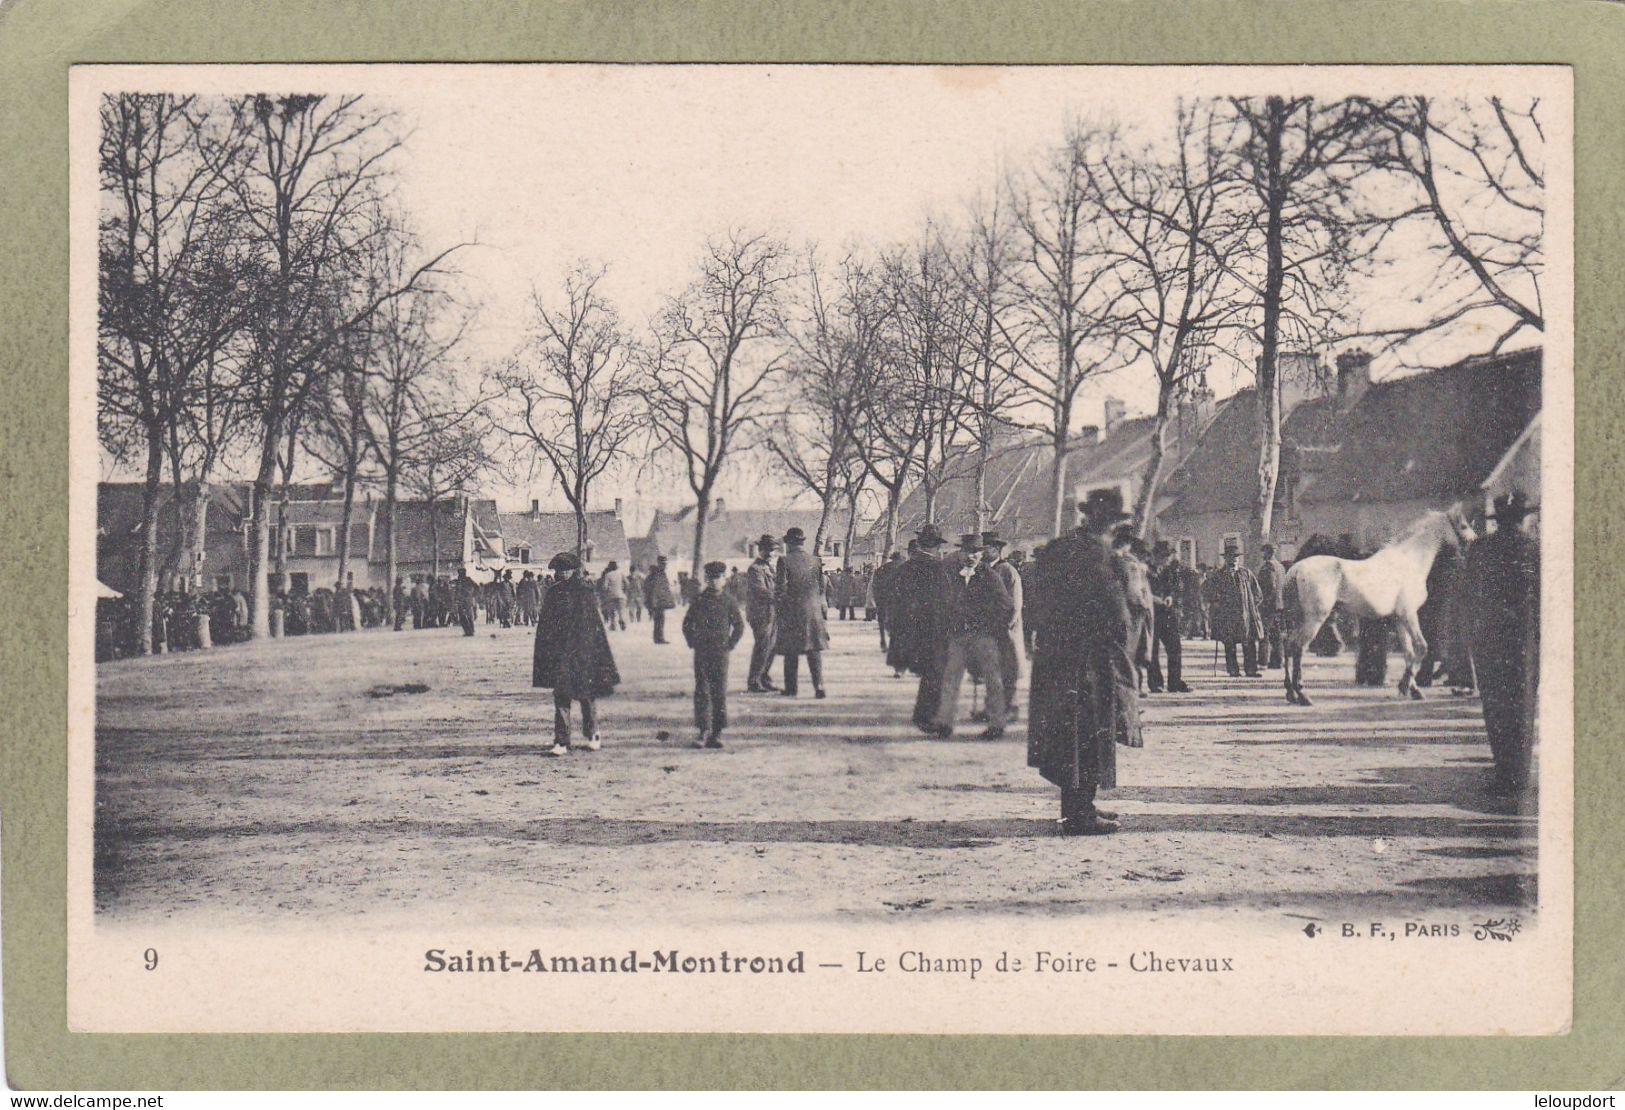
[568, 400]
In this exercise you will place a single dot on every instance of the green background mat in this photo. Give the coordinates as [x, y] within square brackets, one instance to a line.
[39, 39]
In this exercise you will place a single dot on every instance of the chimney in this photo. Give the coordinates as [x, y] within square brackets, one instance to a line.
[721, 507]
[1195, 410]
[1089, 433]
[1300, 376]
[617, 508]
[1353, 377]
[535, 508]
[1112, 413]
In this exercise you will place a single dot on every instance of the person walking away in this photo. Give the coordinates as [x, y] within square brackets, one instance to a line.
[1136, 582]
[612, 595]
[1233, 611]
[572, 656]
[979, 612]
[1080, 666]
[657, 598]
[761, 583]
[866, 583]
[1502, 579]
[634, 594]
[798, 614]
[401, 601]
[468, 600]
[734, 587]
[1192, 608]
[917, 622]
[1272, 601]
[1167, 595]
[712, 627]
[1012, 645]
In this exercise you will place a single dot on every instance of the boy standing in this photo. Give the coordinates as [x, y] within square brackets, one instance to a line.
[712, 626]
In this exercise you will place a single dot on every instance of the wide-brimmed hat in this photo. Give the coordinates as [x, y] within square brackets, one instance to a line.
[795, 535]
[767, 541]
[1232, 547]
[993, 539]
[1103, 506]
[929, 536]
[1511, 508]
[564, 561]
[970, 541]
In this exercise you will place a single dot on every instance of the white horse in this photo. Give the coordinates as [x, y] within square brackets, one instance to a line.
[1393, 582]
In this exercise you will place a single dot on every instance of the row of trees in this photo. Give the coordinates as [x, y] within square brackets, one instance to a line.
[1241, 228]
[261, 296]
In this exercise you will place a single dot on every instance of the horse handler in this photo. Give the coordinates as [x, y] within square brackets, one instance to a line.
[572, 655]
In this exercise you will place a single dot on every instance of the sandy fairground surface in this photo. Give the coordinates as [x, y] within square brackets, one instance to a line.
[292, 780]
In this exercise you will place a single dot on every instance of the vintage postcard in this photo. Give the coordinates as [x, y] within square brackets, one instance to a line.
[821, 548]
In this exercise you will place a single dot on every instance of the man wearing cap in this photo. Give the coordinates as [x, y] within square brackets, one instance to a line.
[760, 583]
[917, 622]
[657, 597]
[1012, 645]
[798, 614]
[978, 617]
[1233, 611]
[1503, 617]
[712, 627]
[572, 656]
[1271, 601]
[1167, 588]
[1080, 664]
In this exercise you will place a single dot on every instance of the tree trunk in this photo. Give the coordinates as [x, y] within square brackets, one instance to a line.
[981, 484]
[259, 550]
[434, 539]
[581, 529]
[823, 521]
[344, 532]
[1269, 382]
[147, 565]
[894, 495]
[702, 510]
[851, 531]
[391, 560]
[1145, 505]
[1057, 483]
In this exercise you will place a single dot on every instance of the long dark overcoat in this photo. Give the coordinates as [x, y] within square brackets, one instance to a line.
[916, 614]
[799, 604]
[572, 654]
[1081, 666]
[657, 590]
[1233, 606]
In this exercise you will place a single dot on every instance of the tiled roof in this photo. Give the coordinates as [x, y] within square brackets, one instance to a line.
[1221, 471]
[413, 540]
[730, 533]
[548, 533]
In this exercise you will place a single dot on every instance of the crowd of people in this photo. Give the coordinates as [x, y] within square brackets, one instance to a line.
[1099, 617]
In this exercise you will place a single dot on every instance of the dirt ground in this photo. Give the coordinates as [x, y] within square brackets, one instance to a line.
[270, 782]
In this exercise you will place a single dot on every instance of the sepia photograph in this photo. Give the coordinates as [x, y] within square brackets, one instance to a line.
[817, 548]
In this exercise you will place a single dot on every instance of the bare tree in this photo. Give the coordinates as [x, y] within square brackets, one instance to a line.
[451, 455]
[311, 177]
[167, 297]
[1174, 245]
[1474, 171]
[707, 379]
[1063, 333]
[1297, 156]
[570, 396]
[834, 332]
[932, 351]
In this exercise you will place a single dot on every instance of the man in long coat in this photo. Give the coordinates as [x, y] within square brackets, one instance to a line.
[572, 656]
[917, 621]
[798, 614]
[657, 597]
[761, 584]
[1271, 602]
[1233, 611]
[885, 574]
[1080, 665]
[468, 601]
[979, 612]
[1503, 582]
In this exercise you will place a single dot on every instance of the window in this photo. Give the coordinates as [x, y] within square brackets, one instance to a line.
[519, 554]
[301, 583]
[310, 539]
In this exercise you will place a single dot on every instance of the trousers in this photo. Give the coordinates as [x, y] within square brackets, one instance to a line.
[792, 667]
[761, 653]
[1009, 669]
[1249, 656]
[929, 696]
[982, 650]
[561, 718]
[1165, 638]
[659, 618]
[711, 690]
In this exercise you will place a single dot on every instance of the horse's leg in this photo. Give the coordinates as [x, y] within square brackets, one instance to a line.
[1416, 646]
[1303, 633]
